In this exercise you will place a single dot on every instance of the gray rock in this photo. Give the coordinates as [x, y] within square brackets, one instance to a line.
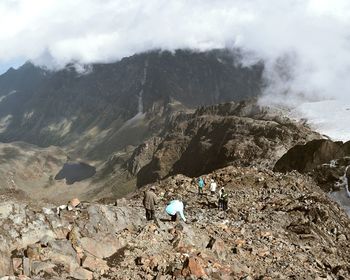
[81, 274]
[26, 266]
[101, 248]
[38, 266]
[5, 264]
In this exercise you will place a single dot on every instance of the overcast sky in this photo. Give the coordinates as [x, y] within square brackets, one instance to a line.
[305, 43]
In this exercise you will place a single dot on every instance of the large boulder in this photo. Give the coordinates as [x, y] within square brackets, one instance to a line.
[306, 157]
[100, 248]
[326, 161]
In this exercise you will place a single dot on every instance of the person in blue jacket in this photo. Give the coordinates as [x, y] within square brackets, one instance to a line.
[174, 208]
[201, 184]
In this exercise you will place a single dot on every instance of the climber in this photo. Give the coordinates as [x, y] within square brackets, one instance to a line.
[200, 185]
[213, 186]
[150, 202]
[223, 199]
[174, 208]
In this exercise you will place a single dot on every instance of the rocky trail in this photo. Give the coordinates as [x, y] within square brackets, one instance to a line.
[278, 226]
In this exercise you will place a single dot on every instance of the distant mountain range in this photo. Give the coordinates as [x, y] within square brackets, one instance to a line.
[111, 106]
[137, 121]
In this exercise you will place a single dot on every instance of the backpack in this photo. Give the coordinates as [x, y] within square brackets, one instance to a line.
[224, 196]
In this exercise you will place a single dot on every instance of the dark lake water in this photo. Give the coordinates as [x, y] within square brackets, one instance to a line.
[75, 172]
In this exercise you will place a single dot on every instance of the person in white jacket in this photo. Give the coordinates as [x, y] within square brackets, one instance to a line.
[213, 186]
[176, 207]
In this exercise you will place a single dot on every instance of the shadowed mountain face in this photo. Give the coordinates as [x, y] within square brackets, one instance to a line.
[114, 105]
[240, 134]
[305, 158]
[326, 161]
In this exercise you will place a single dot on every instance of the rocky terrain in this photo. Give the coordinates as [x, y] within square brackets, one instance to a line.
[98, 115]
[278, 226]
[109, 106]
[147, 119]
[29, 168]
[49, 174]
[239, 134]
[141, 119]
[326, 161]
[37, 172]
[191, 143]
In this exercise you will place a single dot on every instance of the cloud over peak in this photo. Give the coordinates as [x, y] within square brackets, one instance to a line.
[304, 43]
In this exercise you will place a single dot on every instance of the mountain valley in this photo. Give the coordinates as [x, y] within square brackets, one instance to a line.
[79, 149]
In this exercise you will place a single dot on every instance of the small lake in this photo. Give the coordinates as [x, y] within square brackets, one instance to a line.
[75, 172]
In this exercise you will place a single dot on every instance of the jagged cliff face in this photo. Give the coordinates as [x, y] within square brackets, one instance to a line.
[119, 104]
[307, 157]
[240, 134]
[325, 160]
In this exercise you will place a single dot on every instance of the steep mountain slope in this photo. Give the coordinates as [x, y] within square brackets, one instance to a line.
[240, 134]
[305, 158]
[114, 105]
[278, 226]
[26, 80]
[325, 160]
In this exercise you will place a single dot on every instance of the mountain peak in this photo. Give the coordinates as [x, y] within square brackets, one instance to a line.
[141, 84]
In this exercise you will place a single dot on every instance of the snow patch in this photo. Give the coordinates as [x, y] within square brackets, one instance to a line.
[328, 117]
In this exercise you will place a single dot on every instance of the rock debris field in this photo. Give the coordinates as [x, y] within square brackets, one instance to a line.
[278, 226]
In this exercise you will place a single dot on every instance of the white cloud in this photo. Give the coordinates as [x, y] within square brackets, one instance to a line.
[305, 43]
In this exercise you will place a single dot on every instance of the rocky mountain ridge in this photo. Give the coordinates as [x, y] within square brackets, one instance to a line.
[277, 227]
[191, 143]
[111, 106]
[325, 160]
[239, 134]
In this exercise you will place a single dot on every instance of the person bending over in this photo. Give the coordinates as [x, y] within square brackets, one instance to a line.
[175, 208]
